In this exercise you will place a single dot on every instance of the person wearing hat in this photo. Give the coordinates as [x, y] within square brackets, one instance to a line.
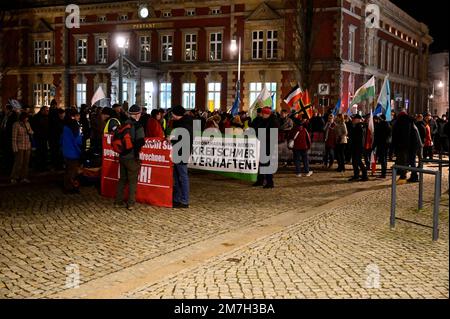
[357, 148]
[129, 161]
[71, 143]
[120, 114]
[111, 122]
[182, 145]
[268, 121]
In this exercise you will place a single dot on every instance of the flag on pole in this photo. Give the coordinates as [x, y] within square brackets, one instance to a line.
[337, 108]
[305, 105]
[237, 100]
[262, 100]
[365, 92]
[371, 130]
[384, 100]
[99, 95]
[373, 162]
[15, 104]
[293, 97]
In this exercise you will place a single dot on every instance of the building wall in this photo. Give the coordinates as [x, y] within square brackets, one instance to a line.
[438, 76]
[330, 53]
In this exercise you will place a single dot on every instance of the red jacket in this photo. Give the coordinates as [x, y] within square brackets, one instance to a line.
[303, 140]
[154, 129]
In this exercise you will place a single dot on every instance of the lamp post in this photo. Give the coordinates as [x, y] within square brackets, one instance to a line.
[237, 47]
[121, 45]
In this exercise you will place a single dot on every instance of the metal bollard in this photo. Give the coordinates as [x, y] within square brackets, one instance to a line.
[393, 195]
[421, 187]
[437, 199]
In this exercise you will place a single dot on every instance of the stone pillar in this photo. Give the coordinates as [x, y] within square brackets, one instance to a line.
[176, 88]
[90, 90]
[57, 78]
[200, 90]
[223, 90]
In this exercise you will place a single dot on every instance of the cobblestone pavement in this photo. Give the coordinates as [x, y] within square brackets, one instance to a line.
[347, 252]
[43, 231]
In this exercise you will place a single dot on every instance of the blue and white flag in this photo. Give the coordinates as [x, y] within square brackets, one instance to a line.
[384, 100]
[237, 101]
[337, 108]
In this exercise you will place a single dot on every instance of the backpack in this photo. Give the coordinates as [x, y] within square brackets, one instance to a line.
[122, 142]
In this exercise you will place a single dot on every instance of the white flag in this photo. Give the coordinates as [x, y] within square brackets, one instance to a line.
[99, 94]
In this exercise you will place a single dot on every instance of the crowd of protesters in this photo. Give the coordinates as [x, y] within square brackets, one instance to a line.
[62, 139]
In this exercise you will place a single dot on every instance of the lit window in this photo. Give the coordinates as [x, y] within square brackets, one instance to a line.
[214, 95]
[47, 51]
[257, 44]
[256, 88]
[37, 94]
[215, 46]
[166, 48]
[82, 51]
[189, 95]
[37, 52]
[102, 50]
[148, 94]
[272, 44]
[144, 48]
[190, 45]
[81, 94]
[165, 95]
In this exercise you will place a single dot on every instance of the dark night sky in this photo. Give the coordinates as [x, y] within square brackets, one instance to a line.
[433, 13]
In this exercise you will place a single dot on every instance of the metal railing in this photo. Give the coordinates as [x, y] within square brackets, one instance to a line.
[437, 195]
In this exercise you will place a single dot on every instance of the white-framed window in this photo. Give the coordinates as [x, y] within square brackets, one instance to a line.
[81, 94]
[102, 50]
[272, 44]
[257, 45]
[383, 55]
[165, 95]
[102, 19]
[148, 94]
[351, 43]
[215, 11]
[256, 87]
[82, 51]
[144, 48]
[47, 51]
[189, 95]
[215, 46]
[41, 94]
[190, 47]
[37, 52]
[214, 95]
[125, 93]
[37, 94]
[167, 14]
[190, 12]
[82, 19]
[123, 17]
[166, 48]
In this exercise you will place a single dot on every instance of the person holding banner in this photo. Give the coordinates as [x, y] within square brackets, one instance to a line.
[129, 161]
[182, 125]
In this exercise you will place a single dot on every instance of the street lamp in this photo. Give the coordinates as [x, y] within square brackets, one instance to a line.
[143, 11]
[237, 47]
[120, 40]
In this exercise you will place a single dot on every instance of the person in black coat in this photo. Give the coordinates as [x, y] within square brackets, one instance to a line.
[268, 121]
[40, 125]
[357, 137]
[382, 137]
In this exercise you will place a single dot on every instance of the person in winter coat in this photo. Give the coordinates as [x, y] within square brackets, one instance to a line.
[71, 143]
[302, 144]
[357, 137]
[154, 128]
[381, 140]
[406, 142]
[268, 121]
[40, 125]
[21, 145]
[341, 133]
[427, 141]
[330, 141]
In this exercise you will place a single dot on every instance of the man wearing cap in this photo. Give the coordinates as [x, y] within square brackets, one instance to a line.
[129, 162]
[357, 137]
[268, 121]
[180, 170]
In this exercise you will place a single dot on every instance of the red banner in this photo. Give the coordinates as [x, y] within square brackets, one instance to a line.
[155, 179]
